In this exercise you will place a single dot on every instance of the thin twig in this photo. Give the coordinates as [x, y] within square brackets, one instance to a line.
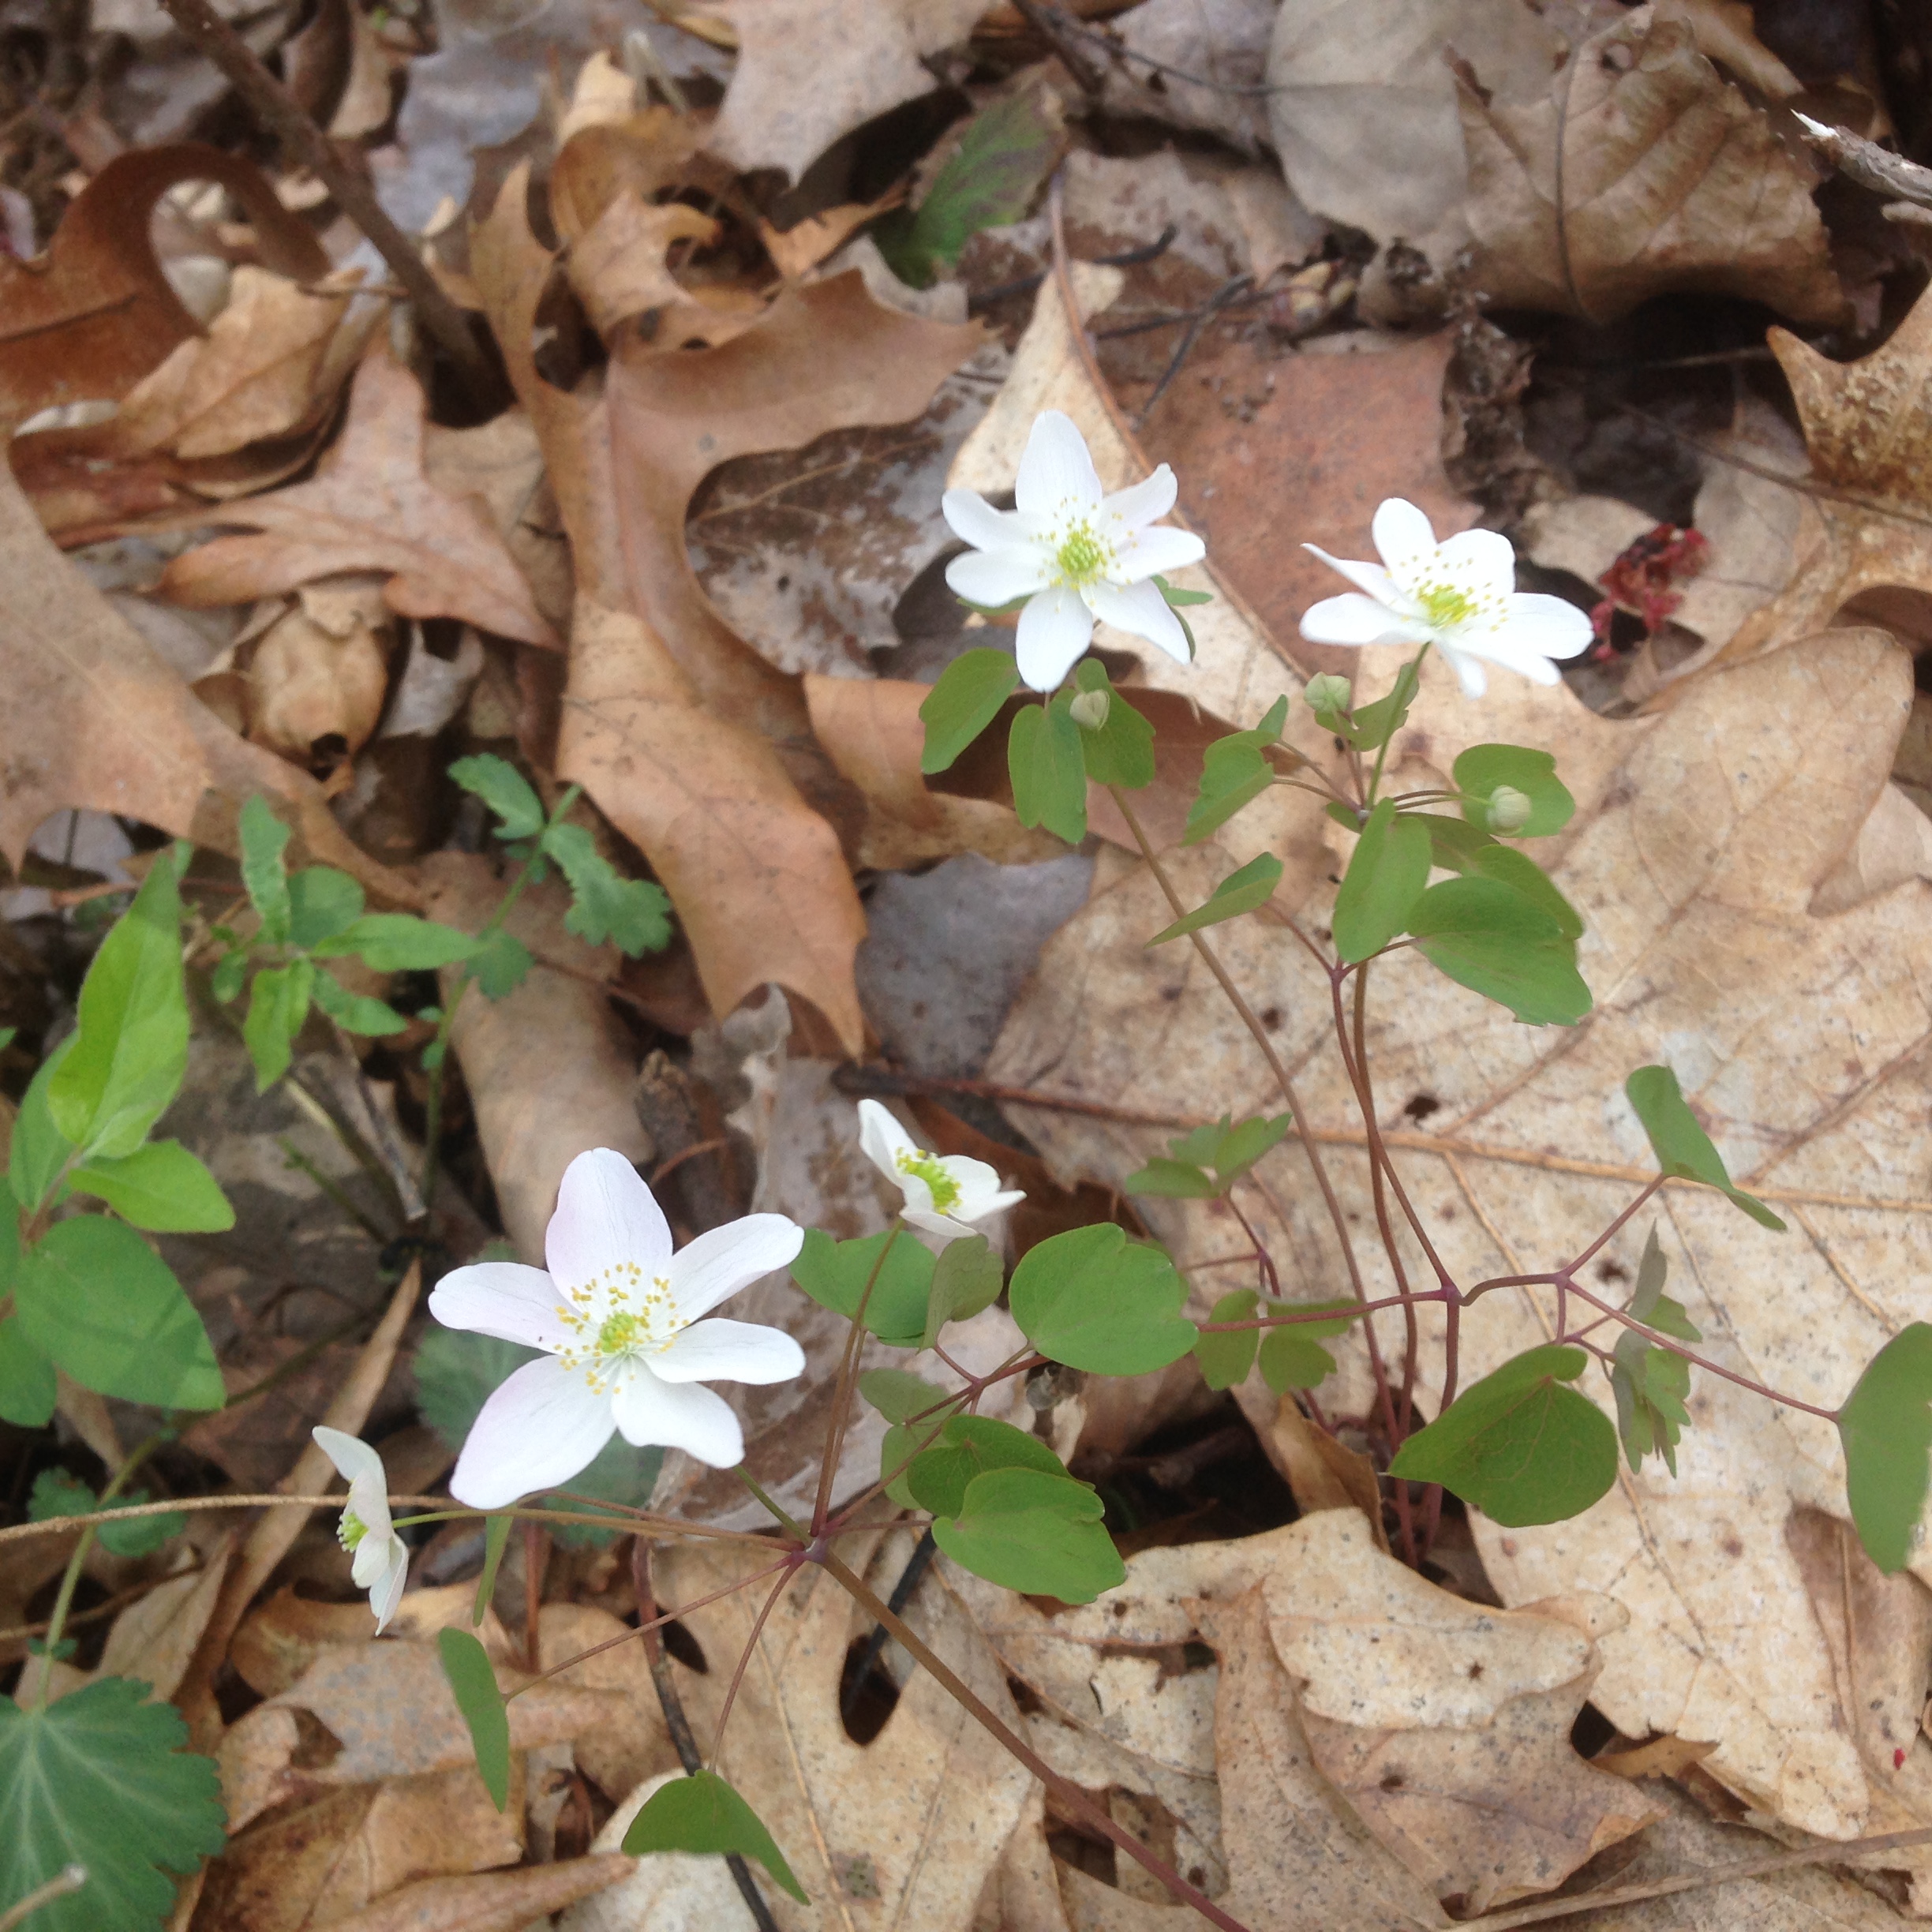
[1184, 348]
[1868, 164]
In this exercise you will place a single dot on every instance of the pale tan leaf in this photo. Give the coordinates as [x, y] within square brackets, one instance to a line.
[508, 1902]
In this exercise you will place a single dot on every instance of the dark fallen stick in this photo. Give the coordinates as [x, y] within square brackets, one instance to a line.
[916, 1566]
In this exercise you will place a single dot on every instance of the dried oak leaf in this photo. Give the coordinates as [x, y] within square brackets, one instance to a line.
[690, 743]
[369, 507]
[1667, 179]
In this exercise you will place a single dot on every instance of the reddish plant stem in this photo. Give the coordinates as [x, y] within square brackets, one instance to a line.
[1329, 1314]
[1610, 1233]
[1412, 1339]
[744, 1656]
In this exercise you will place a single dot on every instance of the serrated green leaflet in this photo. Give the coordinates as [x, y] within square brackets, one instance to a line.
[968, 1446]
[1519, 1445]
[473, 1682]
[1681, 1145]
[28, 1390]
[130, 1048]
[161, 1187]
[834, 1273]
[1028, 1530]
[355, 1012]
[100, 1780]
[322, 903]
[1234, 770]
[501, 964]
[700, 1813]
[1048, 771]
[964, 701]
[1488, 936]
[1241, 891]
[1387, 872]
[398, 943]
[98, 1301]
[1292, 1356]
[505, 791]
[1121, 752]
[1652, 1387]
[1230, 1151]
[633, 915]
[967, 1277]
[1885, 1426]
[264, 874]
[1090, 1300]
[278, 1006]
[1483, 767]
[1225, 1359]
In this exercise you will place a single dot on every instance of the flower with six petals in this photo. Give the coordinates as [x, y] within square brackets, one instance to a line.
[1072, 553]
[945, 1194]
[379, 1558]
[1459, 595]
[618, 1316]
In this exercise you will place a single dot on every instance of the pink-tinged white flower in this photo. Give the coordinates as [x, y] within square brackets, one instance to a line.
[379, 1558]
[1073, 554]
[945, 1195]
[1459, 595]
[618, 1318]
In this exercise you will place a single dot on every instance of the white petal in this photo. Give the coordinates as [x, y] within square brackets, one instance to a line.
[1404, 538]
[1545, 627]
[1480, 563]
[1142, 611]
[501, 1298]
[928, 1222]
[719, 1350]
[1056, 469]
[975, 1179]
[881, 1140]
[974, 521]
[542, 1427]
[373, 1556]
[1154, 552]
[1354, 619]
[387, 1593]
[680, 1415]
[368, 1496]
[1474, 680]
[997, 577]
[605, 1216]
[1370, 578]
[1144, 503]
[718, 1264]
[352, 1456]
[1055, 629]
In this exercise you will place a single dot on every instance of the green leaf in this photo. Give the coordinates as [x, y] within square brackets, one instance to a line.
[988, 182]
[1026, 1530]
[633, 915]
[1241, 891]
[1090, 1300]
[496, 1541]
[40, 1150]
[1649, 1303]
[231, 970]
[131, 1047]
[1048, 770]
[1454, 843]
[160, 1186]
[967, 1277]
[1177, 597]
[1172, 1180]
[278, 1006]
[1522, 874]
[1374, 725]
[500, 964]
[1229, 1149]
[100, 1780]
[1225, 1359]
[504, 790]
[263, 872]
[101, 1303]
[1519, 1445]
[834, 1273]
[1292, 1357]
[28, 1390]
[1121, 752]
[700, 1813]
[1488, 936]
[1681, 1147]
[355, 1012]
[1652, 1387]
[1234, 770]
[472, 1680]
[398, 943]
[1386, 873]
[1885, 1426]
[325, 903]
[964, 701]
[56, 1493]
[968, 1446]
[898, 1395]
[1483, 767]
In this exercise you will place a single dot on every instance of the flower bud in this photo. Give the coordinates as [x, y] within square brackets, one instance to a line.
[1090, 708]
[1509, 809]
[1328, 693]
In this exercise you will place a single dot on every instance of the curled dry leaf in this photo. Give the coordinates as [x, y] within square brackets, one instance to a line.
[369, 507]
[98, 313]
[493, 1902]
[320, 673]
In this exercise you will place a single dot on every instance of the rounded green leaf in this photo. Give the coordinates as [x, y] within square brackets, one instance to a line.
[835, 1273]
[1038, 1533]
[160, 1186]
[1482, 768]
[968, 1447]
[1048, 770]
[1234, 770]
[1225, 1359]
[1680, 1143]
[1292, 1356]
[28, 1390]
[964, 701]
[1488, 936]
[700, 1813]
[967, 1277]
[472, 1682]
[1121, 752]
[1387, 872]
[1885, 1426]
[323, 902]
[1091, 1300]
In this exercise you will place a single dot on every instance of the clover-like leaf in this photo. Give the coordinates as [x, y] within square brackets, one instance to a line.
[1092, 1300]
[964, 701]
[1680, 1143]
[835, 1274]
[969, 1445]
[967, 1277]
[1479, 770]
[633, 915]
[1226, 1356]
[1048, 770]
[1120, 752]
[1292, 1356]
[1234, 770]
[1028, 1530]
[700, 1813]
[1885, 1426]
[1489, 937]
[1250, 887]
[1387, 872]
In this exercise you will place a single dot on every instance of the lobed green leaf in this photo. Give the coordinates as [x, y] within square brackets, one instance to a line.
[1487, 936]
[1090, 1299]
[1049, 770]
[1121, 752]
[1234, 769]
[1244, 890]
[1386, 873]
[1028, 1530]
[968, 1446]
[964, 703]
[1479, 770]
[834, 1273]
[504, 790]
[633, 915]
[1225, 1359]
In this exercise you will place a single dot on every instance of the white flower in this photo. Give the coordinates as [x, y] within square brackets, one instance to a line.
[617, 1318]
[945, 1195]
[1074, 554]
[1460, 595]
[379, 1558]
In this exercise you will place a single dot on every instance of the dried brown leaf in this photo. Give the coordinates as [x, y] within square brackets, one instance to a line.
[505, 1902]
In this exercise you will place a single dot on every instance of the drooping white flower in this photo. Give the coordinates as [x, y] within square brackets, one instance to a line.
[1072, 553]
[1460, 595]
[379, 1557]
[618, 1318]
[945, 1194]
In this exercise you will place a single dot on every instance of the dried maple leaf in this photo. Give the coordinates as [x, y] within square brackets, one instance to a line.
[369, 508]
[1667, 178]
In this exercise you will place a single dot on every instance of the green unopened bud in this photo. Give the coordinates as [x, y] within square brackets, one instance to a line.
[1509, 809]
[1090, 708]
[1329, 693]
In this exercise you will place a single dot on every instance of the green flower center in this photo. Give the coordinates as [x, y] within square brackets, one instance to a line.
[1445, 606]
[1082, 556]
[944, 1189]
[351, 1529]
[617, 1316]
[618, 1333]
